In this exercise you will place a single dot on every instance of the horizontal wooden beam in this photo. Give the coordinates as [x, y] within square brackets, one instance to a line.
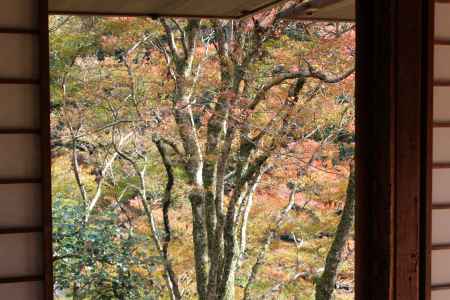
[18, 31]
[241, 14]
[442, 83]
[441, 206]
[440, 287]
[439, 124]
[19, 81]
[21, 279]
[21, 230]
[145, 15]
[19, 180]
[438, 247]
[442, 42]
[441, 165]
[19, 131]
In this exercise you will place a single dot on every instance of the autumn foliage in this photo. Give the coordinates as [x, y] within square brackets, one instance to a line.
[203, 159]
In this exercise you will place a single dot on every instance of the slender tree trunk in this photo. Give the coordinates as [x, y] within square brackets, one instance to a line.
[75, 291]
[244, 216]
[172, 278]
[200, 243]
[229, 289]
[326, 284]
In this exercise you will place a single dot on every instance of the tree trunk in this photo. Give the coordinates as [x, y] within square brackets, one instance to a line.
[200, 243]
[326, 283]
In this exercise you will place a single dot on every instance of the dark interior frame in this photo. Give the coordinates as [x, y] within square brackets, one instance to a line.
[393, 159]
[46, 189]
[393, 150]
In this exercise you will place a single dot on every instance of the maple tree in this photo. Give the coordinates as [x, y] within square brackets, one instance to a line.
[149, 115]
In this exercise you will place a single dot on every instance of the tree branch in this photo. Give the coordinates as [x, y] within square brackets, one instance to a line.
[267, 242]
[310, 73]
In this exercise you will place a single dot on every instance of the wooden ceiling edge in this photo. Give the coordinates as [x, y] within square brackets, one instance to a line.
[245, 14]
[155, 16]
[146, 15]
[307, 18]
[299, 17]
[299, 11]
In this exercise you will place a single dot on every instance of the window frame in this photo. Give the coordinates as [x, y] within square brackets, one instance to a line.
[393, 150]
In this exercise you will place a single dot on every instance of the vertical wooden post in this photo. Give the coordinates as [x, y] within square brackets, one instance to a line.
[392, 93]
[374, 149]
[427, 149]
[45, 148]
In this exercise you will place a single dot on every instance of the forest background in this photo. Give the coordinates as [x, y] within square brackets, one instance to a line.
[202, 159]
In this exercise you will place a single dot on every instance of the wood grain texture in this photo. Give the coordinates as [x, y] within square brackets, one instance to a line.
[413, 116]
[393, 151]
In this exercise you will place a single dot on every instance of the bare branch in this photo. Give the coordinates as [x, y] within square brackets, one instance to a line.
[101, 178]
[310, 73]
[267, 242]
[171, 280]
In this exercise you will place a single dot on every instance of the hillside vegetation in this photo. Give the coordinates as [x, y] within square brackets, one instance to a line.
[201, 159]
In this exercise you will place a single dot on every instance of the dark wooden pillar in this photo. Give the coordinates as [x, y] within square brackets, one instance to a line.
[392, 117]
[44, 65]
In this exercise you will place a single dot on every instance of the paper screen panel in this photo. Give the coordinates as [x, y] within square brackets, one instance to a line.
[22, 291]
[441, 227]
[19, 56]
[19, 14]
[440, 267]
[442, 62]
[21, 254]
[21, 205]
[442, 22]
[20, 157]
[441, 145]
[440, 295]
[19, 106]
[441, 109]
[441, 186]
